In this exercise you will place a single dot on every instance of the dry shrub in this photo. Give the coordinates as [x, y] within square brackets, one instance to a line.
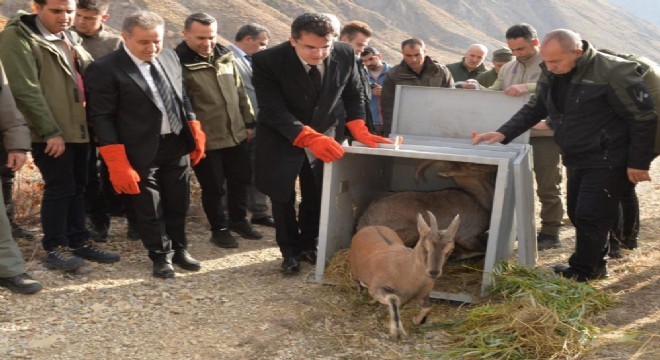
[28, 189]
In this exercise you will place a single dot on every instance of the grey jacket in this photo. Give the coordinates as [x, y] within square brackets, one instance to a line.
[245, 69]
[14, 129]
[521, 72]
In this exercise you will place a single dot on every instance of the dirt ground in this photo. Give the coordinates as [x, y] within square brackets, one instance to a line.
[240, 307]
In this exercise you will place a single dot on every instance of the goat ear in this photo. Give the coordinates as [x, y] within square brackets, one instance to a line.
[422, 227]
[451, 231]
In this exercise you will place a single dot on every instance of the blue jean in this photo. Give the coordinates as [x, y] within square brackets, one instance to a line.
[63, 202]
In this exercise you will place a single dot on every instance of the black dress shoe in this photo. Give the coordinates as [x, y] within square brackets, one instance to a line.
[570, 272]
[308, 256]
[264, 221]
[290, 265]
[185, 261]
[163, 268]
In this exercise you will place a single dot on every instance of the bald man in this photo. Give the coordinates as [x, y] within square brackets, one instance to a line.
[471, 65]
[605, 126]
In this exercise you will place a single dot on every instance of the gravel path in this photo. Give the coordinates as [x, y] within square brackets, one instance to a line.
[240, 307]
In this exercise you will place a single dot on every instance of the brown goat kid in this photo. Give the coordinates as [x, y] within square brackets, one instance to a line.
[396, 274]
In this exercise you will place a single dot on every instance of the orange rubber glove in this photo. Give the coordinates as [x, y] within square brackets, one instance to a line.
[200, 142]
[323, 147]
[122, 175]
[360, 133]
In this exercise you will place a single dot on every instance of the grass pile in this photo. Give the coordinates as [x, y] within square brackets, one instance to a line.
[531, 314]
[338, 273]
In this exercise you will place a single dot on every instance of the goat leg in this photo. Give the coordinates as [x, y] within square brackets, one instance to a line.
[423, 312]
[396, 327]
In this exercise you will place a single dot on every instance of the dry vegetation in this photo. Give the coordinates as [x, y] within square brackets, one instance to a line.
[240, 307]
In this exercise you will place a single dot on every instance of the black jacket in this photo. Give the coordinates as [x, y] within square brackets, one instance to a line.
[121, 107]
[287, 102]
[608, 118]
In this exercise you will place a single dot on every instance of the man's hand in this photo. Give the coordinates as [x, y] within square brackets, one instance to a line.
[517, 90]
[55, 146]
[323, 147]
[360, 132]
[124, 178]
[488, 138]
[376, 90]
[15, 160]
[471, 84]
[541, 125]
[637, 176]
[200, 142]
[250, 134]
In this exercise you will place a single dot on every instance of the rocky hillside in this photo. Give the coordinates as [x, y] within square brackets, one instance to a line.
[448, 26]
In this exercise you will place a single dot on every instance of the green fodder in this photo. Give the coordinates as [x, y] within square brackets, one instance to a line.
[532, 314]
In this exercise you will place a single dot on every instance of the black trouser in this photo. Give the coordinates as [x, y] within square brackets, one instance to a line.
[592, 200]
[162, 204]
[296, 235]
[232, 165]
[627, 224]
[257, 201]
[63, 204]
[96, 199]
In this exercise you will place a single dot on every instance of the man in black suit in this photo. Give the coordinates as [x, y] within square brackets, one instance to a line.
[138, 109]
[298, 84]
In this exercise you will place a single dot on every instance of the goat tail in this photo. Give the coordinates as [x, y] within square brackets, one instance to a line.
[396, 327]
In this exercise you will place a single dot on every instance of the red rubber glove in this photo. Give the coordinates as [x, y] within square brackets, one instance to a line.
[122, 175]
[323, 147]
[360, 133]
[200, 142]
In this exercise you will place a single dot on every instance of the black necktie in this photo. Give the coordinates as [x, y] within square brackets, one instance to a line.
[249, 59]
[315, 76]
[169, 99]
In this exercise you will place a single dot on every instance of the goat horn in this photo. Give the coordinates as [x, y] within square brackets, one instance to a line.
[433, 222]
[421, 169]
[452, 229]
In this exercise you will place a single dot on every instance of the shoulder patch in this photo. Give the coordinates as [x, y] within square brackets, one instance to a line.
[640, 96]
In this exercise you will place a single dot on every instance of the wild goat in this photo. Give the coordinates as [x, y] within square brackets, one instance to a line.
[472, 200]
[476, 179]
[396, 274]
